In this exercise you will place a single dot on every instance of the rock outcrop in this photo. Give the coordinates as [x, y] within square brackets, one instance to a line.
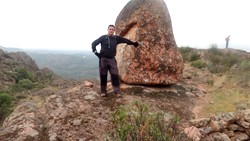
[25, 59]
[78, 113]
[9, 62]
[157, 60]
[24, 124]
[232, 126]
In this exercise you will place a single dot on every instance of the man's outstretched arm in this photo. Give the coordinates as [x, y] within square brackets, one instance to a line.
[127, 41]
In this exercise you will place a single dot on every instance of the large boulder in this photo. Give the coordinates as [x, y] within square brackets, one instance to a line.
[157, 60]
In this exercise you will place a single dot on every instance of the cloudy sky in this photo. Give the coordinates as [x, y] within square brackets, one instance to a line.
[74, 24]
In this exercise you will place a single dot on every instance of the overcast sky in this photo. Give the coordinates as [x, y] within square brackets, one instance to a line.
[74, 24]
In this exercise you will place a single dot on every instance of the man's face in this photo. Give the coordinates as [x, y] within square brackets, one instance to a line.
[111, 30]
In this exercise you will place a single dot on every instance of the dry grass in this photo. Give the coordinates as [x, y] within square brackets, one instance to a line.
[225, 96]
[226, 100]
[227, 80]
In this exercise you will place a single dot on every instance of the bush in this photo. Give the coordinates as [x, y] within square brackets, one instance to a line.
[185, 51]
[199, 64]
[242, 75]
[213, 50]
[5, 105]
[219, 61]
[245, 66]
[194, 56]
[23, 73]
[229, 60]
[24, 84]
[137, 123]
[216, 68]
[189, 54]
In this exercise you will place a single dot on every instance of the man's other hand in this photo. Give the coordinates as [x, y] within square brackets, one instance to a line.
[98, 54]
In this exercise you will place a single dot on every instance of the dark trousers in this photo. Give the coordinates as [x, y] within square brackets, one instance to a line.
[105, 65]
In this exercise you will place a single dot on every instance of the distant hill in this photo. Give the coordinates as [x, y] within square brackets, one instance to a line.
[10, 49]
[67, 64]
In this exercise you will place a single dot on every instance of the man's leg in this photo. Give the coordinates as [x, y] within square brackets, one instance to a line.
[114, 76]
[103, 74]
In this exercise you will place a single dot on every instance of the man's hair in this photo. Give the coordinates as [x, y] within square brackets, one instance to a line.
[111, 25]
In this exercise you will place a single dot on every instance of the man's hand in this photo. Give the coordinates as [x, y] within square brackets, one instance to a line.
[135, 44]
[98, 54]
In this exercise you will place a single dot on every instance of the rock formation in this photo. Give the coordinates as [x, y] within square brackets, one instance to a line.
[232, 126]
[9, 62]
[25, 59]
[24, 124]
[156, 60]
[78, 113]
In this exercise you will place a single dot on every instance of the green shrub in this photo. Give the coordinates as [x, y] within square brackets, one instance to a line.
[194, 56]
[137, 123]
[245, 66]
[199, 64]
[220, 62]
[229, 60]
[241, 74]
[216, 68]
[24, 84]
[213, 50]
[185, 52]
[189, 54]
[23, 73]
[5, 105]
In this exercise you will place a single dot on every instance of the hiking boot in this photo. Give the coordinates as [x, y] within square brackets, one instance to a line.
[103, 95]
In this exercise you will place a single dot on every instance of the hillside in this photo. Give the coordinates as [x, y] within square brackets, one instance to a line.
[224, 73]
[214, 81]
[69, 65]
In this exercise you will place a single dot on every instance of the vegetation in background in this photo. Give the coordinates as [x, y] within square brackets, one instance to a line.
[24, 84]
[80, 65]
[229, 84]
[5, 106]
[25, 81]
[241, 73]
[220, 61]
[137, 123]
[23, 73]
[216, 60]
[188, 54]
[199, 64]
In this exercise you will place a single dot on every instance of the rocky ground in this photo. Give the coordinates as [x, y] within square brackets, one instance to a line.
[74, 110]
[77, 112]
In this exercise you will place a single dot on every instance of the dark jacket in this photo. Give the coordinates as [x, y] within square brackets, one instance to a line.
[108, 45]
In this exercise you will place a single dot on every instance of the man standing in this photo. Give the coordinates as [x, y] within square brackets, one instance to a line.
[108, 62]
[227, 41]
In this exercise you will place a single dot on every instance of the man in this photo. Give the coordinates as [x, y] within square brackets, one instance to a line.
[227, 41]
[107, 60]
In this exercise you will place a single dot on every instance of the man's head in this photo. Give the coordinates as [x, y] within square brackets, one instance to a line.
[111, 30]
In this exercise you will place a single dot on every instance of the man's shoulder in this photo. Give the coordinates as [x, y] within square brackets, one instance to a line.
[104, 36]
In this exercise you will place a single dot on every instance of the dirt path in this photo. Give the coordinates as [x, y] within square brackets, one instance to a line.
[199, 106]
[202, 102]
[198, 78]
